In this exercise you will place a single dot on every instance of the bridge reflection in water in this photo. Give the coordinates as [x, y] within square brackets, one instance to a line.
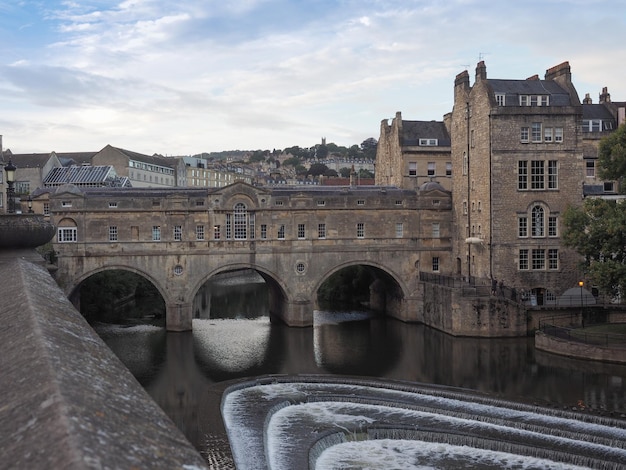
[185, 372]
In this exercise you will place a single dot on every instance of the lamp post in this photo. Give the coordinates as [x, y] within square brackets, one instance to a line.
[30, 205]
[582, 314]
[10, 171]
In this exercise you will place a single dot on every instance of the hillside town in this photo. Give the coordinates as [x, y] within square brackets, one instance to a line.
[512, 154]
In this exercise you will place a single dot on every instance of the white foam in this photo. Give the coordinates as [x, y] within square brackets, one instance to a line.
[419, 455]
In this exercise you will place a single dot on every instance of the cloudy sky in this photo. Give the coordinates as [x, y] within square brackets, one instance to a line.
[180, 77]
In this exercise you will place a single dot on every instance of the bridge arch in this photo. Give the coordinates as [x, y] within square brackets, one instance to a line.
[73, 290]
[387, 293]
[279, 292]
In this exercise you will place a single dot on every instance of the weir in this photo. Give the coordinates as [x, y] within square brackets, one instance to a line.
[319, 422]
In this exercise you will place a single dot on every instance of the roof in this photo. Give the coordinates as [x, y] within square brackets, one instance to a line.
[558, 95]
[30, 160]
[74, 158]
[153, 159]
[80, 175]
[412, 131]
[596, 111]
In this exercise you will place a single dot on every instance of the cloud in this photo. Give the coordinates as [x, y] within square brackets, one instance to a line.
[198, 76]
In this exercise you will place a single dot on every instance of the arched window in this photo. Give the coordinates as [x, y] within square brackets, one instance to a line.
[240, 216]
[537, 221]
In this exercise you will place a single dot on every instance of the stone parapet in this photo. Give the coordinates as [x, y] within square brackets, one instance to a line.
[577, 349]
[68, 402]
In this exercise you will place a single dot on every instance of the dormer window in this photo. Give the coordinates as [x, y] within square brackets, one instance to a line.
[534, 100]
[428, 142]
[500, 99]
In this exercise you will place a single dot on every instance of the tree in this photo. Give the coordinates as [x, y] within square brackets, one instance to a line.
[596, 231]
[363, 173]
[345, 172]
[612, 156]
[317, 169]
[293, 161]
[369, 148]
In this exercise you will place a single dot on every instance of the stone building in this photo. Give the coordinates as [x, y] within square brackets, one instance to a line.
[143, 171]
[517, 165]
[411, 153]
[599, 120]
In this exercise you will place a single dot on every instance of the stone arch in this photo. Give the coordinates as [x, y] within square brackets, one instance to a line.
[71, 290]
[280, 293]
[392, 299]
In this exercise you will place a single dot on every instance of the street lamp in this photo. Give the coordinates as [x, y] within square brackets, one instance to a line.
[10, 171]
[30, 204]
[582, 314]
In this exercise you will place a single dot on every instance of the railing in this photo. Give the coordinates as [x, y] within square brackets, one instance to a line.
[572, 328]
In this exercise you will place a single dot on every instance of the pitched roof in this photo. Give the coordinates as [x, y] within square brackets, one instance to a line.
[74, 158]
[30, 160]
[152, 159]
[596, 111]
[412, 131]
[558, 95]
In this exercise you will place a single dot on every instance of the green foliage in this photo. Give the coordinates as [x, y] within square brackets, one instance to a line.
[102, 294]
[293, 161]
[331, 173]
[258, 156]
[317, 169]
[363, 173]
[321, 151]
[345, 172]
[369, 148]
[597, 232]
[612, 156]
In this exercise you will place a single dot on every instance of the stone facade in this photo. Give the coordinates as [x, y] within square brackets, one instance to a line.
[295, 237]
[517, 164]
[411, 153]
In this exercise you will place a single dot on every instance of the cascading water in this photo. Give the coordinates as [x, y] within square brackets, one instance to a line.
[329, 422]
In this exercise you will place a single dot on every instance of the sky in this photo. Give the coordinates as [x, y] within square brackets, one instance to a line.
[181, 77]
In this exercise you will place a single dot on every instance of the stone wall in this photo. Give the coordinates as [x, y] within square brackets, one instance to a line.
[459, 313]
[577, 349]
[67, 401]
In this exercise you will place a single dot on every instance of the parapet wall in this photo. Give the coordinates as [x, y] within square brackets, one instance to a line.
[67, 401]
[578, 349]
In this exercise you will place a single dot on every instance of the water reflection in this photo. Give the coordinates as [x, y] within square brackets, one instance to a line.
[177, 368]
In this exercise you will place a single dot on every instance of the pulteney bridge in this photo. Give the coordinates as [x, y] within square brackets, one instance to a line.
[295, 238]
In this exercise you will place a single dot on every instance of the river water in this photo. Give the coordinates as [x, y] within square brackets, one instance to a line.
[233, 338]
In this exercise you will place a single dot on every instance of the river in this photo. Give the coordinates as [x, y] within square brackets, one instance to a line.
[232, 338]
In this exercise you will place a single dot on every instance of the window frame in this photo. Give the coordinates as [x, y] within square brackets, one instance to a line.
[178, 233]
[200, 232]
[321, 231]
[67, 234]
[360, 230]
[113, 233]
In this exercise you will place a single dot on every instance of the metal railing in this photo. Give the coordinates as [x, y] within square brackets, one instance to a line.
[572, 328]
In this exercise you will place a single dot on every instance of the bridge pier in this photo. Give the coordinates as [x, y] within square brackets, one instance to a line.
[295, 313]
[178, 316]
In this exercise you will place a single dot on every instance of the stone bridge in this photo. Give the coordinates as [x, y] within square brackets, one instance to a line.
[295, 238]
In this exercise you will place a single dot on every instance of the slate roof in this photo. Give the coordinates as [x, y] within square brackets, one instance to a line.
[30, 160]
[513, 88]
[597, 111]
[412, 131]
[74, 158]
[153, 159]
